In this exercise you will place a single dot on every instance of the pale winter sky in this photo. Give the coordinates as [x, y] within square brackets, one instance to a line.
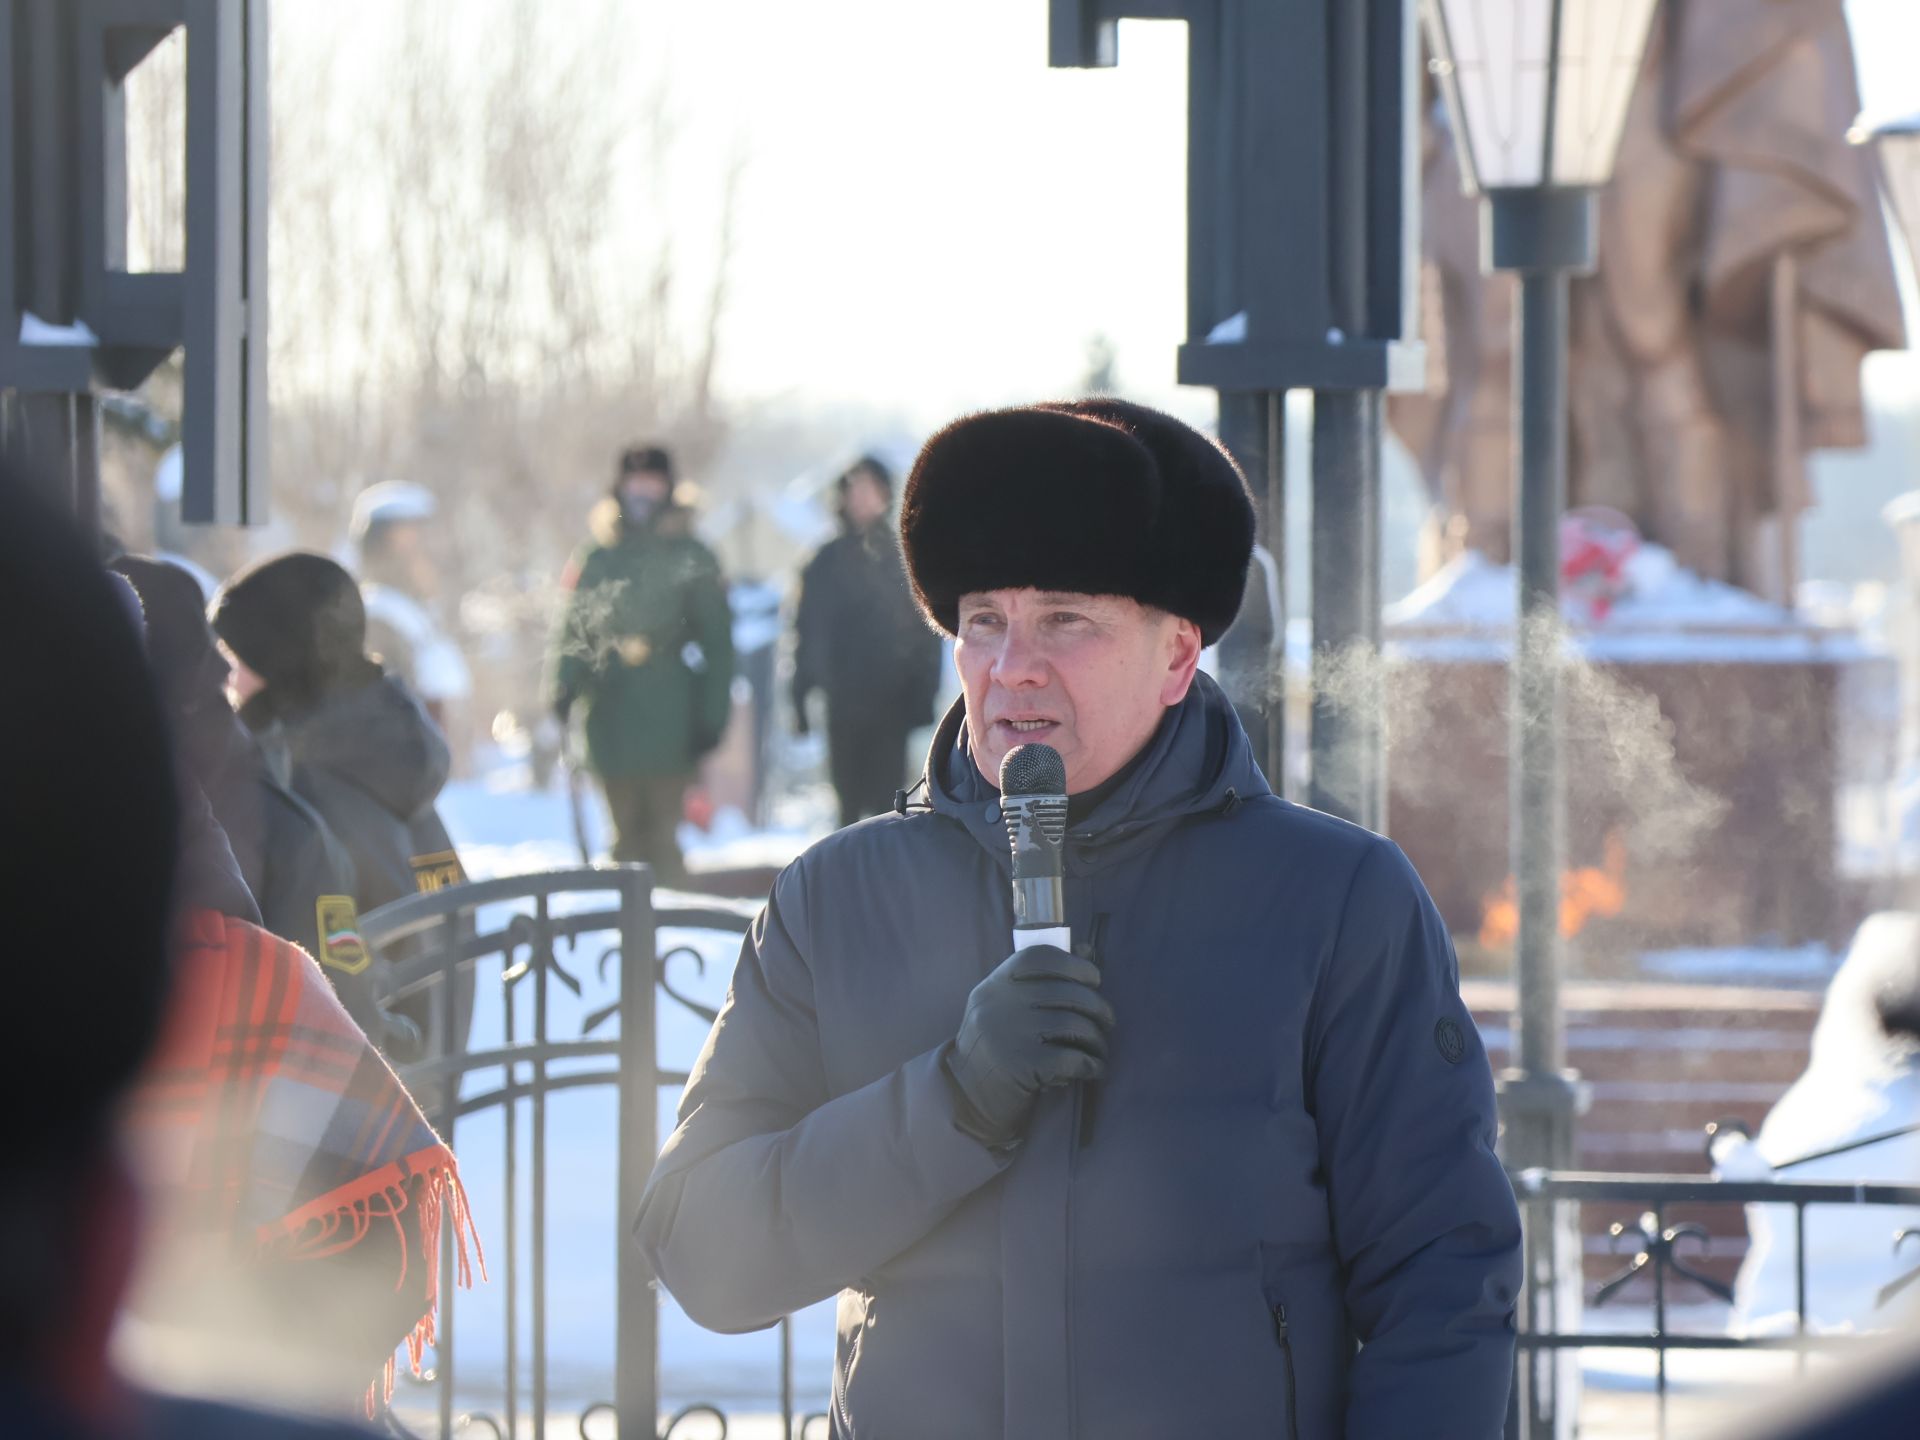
[935, 219]
[932, 219]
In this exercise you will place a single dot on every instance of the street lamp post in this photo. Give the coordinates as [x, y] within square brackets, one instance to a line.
[1537, 92]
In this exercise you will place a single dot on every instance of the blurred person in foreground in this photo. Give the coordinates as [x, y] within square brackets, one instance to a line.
[1852, 1116]
[645, 642]
[1865, 1068]
[1227, 1166]
[297, 870]
[860, 638]
[271, 1133]
[1877, 1400]
[71, 1208]
[393, 530]
[349, 739]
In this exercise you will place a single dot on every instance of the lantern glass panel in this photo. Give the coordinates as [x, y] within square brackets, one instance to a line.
[1538, 89]
[1601, 44]
[1899, 147]
[1493, 60]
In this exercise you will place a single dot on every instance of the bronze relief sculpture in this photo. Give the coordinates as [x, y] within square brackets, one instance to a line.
[1745, 272]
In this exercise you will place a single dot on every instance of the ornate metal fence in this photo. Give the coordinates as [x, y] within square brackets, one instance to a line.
[526, 934]
[1658, 1254]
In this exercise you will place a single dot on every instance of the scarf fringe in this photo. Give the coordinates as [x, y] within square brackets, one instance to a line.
[333, 1225]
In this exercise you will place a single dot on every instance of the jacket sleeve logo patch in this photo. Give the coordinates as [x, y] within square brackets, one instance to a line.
[1451, 1040]
[341, 947]
[436, 871]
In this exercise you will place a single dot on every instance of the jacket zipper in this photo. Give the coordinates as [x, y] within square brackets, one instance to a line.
[1086, 1097]
[1286, 1359]
[846, 1375]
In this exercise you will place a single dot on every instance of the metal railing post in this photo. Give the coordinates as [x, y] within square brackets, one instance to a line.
[637, 1332]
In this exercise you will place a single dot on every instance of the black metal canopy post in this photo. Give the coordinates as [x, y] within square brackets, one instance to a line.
[47, 436]
[1541, 236]
[95, 324]
[1252, 653]
[1302, 213]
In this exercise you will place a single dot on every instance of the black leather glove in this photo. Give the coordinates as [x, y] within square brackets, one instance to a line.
[1036, 1022]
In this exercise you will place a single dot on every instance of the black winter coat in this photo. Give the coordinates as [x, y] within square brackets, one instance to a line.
[371, 763]
[301, 875]
[859, 636]
[1288, 1220]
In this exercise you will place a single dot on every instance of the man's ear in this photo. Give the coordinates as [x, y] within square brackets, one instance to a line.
[1183, 658]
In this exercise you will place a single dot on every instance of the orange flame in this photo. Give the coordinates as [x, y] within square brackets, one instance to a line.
[1584, 894]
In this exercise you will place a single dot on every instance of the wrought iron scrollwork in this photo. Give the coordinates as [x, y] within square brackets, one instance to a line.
[606, 1012]
[705, 1012]
[596, 1018]
[1893, 1287]
[529, 942]
[1658, 1249]
[537, 935]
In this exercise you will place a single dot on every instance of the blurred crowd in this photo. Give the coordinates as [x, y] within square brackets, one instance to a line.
[269, 751]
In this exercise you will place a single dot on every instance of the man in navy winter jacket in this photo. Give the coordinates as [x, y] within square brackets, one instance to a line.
[1227, 1168]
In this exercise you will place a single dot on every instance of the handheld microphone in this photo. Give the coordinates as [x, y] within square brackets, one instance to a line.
[1033, 804]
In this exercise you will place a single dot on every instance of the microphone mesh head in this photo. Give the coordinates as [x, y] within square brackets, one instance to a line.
[1033, 770]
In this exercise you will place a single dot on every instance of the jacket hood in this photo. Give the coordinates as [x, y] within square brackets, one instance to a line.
[378, 739]
[1199, 760]
[603, 522]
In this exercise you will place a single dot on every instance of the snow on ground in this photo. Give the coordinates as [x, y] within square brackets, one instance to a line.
[1665, 614]
[503, 826]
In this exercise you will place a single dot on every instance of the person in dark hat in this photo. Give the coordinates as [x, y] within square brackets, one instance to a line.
[345, 737]
[299, 873]
[1226, 1166]
[645, 642]
[860, 639]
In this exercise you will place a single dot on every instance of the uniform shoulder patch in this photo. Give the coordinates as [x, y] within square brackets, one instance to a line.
[436, 871]
[1450, 1039]
[341, 947]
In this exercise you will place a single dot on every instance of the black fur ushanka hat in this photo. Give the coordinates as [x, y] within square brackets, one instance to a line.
[1099, 497]
[298, 622]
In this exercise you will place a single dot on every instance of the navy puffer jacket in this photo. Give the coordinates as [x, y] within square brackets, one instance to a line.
[1285, 1216]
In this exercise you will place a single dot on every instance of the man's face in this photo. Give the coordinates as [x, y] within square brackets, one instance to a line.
[413, 552]
[1090, 675]
[866, 500]
[242, 683]
[644, 491]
